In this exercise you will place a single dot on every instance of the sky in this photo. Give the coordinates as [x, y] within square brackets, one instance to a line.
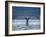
[22, 12]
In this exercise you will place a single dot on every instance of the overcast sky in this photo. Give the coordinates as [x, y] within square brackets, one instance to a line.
[25, 11]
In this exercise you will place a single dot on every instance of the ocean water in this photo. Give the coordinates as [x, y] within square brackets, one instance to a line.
[33, 24]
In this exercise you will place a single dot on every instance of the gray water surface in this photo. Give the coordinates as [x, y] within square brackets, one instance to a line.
[18, 25]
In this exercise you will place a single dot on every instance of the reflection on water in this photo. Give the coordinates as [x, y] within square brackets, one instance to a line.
[21, 24]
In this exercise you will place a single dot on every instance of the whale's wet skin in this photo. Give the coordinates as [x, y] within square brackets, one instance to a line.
[33, 24]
